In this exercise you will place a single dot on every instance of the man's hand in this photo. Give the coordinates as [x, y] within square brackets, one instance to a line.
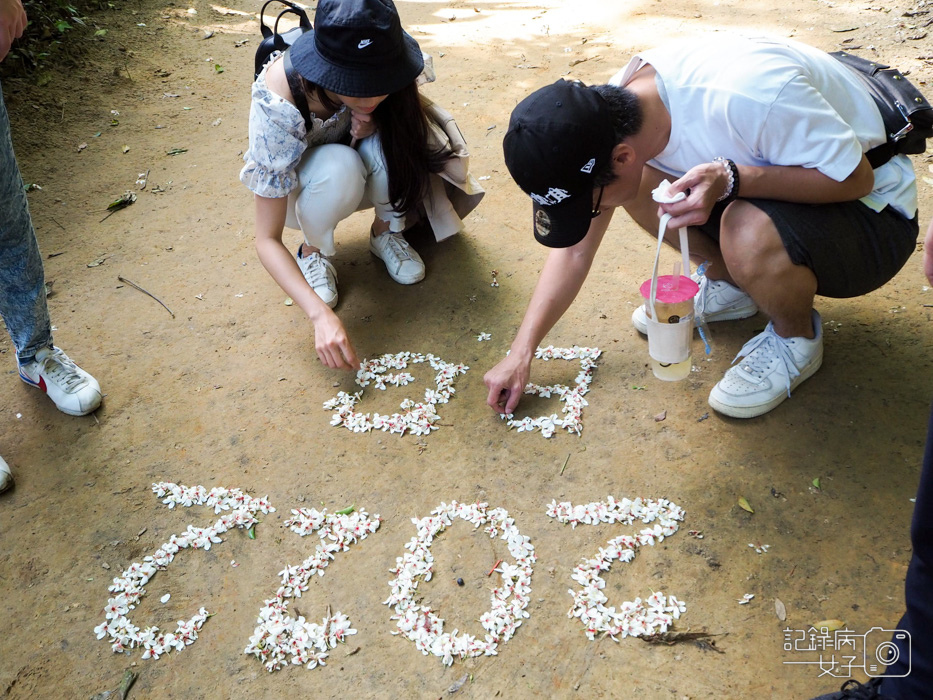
[928, 253]
[12, 24]
[703, 185]
[506, 382]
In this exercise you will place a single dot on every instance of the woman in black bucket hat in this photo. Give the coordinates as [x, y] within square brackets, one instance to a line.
[337, 125]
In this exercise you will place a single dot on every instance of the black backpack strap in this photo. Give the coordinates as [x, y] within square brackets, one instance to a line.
[879, 155]
[296, 85]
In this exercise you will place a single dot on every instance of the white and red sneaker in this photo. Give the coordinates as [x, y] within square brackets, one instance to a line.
[73, 390]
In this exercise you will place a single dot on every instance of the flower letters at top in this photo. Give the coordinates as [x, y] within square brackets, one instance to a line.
[571, 398]
[416, 418]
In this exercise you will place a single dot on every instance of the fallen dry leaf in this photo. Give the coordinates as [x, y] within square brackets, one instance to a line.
[780, 610]
[743, 504]
[458, 684]
[829, 625]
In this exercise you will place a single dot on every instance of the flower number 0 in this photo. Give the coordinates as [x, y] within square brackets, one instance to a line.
[421, 625]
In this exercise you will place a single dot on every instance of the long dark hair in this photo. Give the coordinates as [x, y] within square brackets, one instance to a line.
[403, 132]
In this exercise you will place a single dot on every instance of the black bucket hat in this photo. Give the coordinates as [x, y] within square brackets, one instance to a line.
[358, 49]
[558, 137]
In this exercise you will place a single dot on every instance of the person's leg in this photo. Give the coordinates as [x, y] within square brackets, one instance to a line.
[386, 241]
[22, 280]
[23, 299]
[911, 675]
[790, 349]
[784, 254]
[331, 183]
[756, 259]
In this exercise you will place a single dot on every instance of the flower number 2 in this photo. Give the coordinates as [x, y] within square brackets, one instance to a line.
[635, 618]
[239, 510]
[280, 639]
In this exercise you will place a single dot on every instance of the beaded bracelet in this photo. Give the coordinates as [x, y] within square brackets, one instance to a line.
[732, 172]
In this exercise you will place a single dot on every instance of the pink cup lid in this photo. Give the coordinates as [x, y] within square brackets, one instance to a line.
[685, 289]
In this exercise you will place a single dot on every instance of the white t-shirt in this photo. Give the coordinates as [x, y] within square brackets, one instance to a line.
[767, 101]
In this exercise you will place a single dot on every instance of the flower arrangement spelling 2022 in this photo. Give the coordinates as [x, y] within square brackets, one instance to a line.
[281, 639]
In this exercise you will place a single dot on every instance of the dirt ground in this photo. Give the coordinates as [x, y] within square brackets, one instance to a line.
[227, 391]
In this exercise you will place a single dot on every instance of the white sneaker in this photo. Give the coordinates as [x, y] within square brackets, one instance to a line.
[404, 264]
[717, 300]
[321, 275]
[772, 367]
[6, 476]
[73, 390]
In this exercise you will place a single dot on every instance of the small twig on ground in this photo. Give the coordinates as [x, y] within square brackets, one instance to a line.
[144, 291]
[565, 465]
[122, 690]
[327, 620]
[704, 640]
[59, 226]
[494, 567]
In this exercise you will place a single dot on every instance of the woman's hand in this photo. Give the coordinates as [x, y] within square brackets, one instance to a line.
[333, 346]
[361, 125]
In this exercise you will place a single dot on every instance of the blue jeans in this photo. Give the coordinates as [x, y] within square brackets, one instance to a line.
[22, 279]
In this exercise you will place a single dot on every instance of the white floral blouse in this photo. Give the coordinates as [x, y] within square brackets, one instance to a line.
[277, 139]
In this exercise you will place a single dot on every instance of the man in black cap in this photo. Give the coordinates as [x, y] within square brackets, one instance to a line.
[766, 138]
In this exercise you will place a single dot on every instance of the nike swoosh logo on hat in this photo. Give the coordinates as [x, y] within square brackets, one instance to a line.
[364, 43]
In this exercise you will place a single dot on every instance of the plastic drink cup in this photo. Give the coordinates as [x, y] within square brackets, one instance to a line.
[670, 335]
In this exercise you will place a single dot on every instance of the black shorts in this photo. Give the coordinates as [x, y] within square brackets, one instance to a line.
[851, 249]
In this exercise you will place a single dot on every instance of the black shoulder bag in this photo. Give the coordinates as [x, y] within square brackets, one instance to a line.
[273, 41]
[907, 115]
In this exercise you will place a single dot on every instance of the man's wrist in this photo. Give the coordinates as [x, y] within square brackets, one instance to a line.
[731, 192]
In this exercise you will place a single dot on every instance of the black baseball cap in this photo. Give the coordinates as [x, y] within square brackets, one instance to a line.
[558, 137]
